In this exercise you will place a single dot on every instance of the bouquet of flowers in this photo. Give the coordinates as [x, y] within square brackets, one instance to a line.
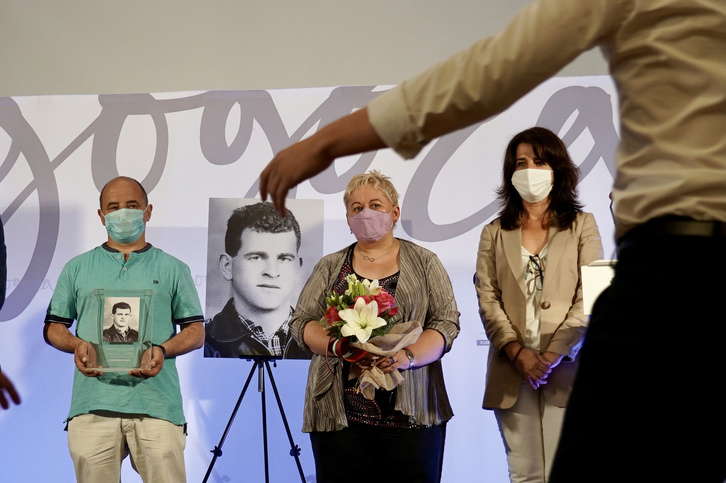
[362, 321]
[365, 310]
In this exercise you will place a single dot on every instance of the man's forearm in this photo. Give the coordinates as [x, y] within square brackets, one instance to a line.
[352, 134]
[60, 337]
[189, 338]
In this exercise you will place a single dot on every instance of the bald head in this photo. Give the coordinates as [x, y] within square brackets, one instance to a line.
[132, 189]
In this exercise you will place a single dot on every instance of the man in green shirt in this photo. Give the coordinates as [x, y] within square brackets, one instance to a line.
[139, 413]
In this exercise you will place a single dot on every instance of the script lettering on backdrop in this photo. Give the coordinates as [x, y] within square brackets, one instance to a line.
[592, 105]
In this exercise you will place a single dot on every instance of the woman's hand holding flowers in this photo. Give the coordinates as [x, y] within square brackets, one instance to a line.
[342, 348]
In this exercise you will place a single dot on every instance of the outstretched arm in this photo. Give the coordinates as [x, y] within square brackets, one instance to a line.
[467, 88]
[348, 135]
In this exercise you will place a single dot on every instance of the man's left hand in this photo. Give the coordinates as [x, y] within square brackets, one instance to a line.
[151, 363]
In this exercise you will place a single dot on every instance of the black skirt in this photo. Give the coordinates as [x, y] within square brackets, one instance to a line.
[364, 453]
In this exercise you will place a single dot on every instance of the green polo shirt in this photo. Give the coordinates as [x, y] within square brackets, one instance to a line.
[174, 301]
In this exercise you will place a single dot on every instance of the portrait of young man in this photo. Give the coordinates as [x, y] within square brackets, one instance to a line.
[261, 264]
[120, 330]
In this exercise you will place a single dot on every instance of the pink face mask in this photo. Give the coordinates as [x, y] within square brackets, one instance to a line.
[370, 225]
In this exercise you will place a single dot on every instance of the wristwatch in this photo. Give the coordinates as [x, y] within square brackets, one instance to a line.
[409, 354]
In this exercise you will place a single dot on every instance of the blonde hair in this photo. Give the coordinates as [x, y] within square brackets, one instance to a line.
[379, 181]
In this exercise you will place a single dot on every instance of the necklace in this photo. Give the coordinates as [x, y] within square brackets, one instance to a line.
[372, 259]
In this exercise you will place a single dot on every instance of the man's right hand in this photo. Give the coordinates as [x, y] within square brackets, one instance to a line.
[351, 134]
[290, 167]
[85, 358]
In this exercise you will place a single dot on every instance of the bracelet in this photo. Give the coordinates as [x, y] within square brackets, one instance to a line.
[409, 354]
[517, 354]
[163, 351]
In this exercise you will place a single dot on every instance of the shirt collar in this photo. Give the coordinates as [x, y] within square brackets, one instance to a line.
[113, 250]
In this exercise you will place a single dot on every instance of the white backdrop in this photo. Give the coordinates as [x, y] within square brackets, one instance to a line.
[57, 152]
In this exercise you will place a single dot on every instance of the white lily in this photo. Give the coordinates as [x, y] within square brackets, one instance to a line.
[361, 320]
[372, 287]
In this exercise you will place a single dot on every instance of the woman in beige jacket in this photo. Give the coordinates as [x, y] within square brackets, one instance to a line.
[530, 298]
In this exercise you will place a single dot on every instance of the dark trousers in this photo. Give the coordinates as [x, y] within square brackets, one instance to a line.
[366, 454]
[647, 404]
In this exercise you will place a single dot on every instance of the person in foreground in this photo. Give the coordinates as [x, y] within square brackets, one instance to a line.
[140, 413]
[3, 265]
[530, 298]
[7, 389]
[403, 430]
[648, 341]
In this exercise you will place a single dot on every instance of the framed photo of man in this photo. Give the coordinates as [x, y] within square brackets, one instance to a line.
[257, 264]
[123, 332]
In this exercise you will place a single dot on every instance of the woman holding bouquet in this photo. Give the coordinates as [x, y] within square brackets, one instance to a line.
[401, 431]
[530, 298]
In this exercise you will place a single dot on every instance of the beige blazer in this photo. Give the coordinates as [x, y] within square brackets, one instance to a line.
[501, 290]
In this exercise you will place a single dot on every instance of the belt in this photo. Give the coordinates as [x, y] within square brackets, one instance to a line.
[674, 226]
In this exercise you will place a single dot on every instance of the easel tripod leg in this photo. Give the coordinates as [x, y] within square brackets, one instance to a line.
[294, 449]
[260, 363]
[217, 451]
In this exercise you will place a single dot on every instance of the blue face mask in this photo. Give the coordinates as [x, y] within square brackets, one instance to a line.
[126, 225]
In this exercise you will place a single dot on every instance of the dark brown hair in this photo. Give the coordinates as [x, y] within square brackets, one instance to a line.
[261, 217]
[564, 205]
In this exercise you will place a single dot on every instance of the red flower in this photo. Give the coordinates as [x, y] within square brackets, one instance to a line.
[331, 315]
[385, 302]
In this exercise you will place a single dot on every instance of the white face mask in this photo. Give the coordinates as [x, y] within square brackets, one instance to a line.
[533, 185]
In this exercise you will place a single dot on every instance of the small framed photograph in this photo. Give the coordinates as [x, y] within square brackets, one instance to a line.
[124, 329]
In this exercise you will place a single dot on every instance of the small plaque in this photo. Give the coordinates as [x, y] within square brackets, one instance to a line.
[596, 277]
[123, 332]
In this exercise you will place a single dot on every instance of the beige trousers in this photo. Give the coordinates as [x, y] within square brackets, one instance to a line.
[530, 430]
[98, 443]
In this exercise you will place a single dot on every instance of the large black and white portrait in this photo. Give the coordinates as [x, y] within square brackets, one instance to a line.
[257, 263]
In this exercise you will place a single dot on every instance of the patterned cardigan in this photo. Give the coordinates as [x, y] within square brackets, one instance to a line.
[424, 293]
